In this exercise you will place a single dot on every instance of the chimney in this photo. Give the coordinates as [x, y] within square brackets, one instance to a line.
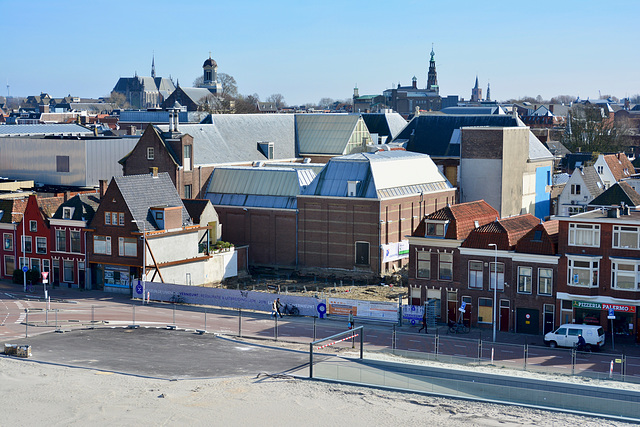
[551, 108]
[67, 195]
[170, 120]
[175, 119]
[153, 172]
[103, 187]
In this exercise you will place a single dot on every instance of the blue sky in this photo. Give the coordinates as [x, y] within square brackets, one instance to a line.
[307, 50]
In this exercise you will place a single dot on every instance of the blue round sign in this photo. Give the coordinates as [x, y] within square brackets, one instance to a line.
[139, 289]
[25, 268]
[322, 309]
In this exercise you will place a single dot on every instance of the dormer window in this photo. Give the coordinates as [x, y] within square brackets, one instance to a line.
[476, 224]
[352, 188]
[150, 153]
[67, 213]
[159, 215]
[435, 229]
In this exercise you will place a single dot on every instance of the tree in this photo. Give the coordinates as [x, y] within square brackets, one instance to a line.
[563, 99]
[591, 129]
[198, 82]
[277, 99]
[119, 100]
[325, 102]
[246, 104]
[611, 97]
[229, 85]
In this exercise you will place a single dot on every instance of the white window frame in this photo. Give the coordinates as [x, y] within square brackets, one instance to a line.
[40, 239]
[549, 279]
[442, 264]
[633, 272]
[107, 218]
[622, 231]
[102, 245]
[492, 276]
[33, 226]
[7, 237]
[24, 246]
[594, 267]
[67, 213]
[58, 232]
[65, 270]
[525, 281]
[127, 246]
[151, 155]
[581, 234]
[476, 276]
[79, 241]
[423, 258]
[435, 228]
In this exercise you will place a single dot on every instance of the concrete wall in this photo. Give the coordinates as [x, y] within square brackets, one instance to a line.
[202, 272]
[481, 179]
[172, 247]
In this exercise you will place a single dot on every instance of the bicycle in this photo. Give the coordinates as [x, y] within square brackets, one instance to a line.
[291, 310]
[29, 288]
[458, 328]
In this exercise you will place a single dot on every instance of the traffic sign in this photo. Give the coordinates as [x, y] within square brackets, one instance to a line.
[611, 315]
[463, 306]
[25, 268]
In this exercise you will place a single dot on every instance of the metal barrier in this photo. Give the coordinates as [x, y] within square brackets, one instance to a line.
[350, 334]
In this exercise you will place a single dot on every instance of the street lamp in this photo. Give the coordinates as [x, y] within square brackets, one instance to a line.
[144, 257]
[495, 289]
[24, 273]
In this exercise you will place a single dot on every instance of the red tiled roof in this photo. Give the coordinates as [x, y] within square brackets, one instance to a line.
[546, 243]
[462, 218]
[618, 163]
[504, 232]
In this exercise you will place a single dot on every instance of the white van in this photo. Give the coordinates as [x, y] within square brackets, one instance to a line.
[567, 336]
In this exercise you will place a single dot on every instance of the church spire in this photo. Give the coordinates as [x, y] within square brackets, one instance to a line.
[153, 66]
[432, 75]
[488, 92]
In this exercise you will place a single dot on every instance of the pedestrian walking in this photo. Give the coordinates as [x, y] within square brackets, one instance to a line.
[275, 308]
[351, 325]
[424, 321]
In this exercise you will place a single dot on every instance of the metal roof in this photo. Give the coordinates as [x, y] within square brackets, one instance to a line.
[324, 133]
[143, 116]
[380, 175]
[537, 150]
[258, 186]
[385, 124]
[44, 129]
[233, 138]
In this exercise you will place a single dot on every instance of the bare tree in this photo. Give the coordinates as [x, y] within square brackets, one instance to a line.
[277, 99]
[563, 99]
[590, 128]
[118, 100]
[229, 85]
[198, 82]
[325, 102]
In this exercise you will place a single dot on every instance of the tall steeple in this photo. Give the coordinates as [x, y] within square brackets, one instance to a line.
[432, 76]
[476, 92]
[488, 92]
[153, 66]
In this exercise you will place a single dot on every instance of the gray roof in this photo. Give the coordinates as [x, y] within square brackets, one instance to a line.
[473, 110]
[44, 129]
[537, 150]
[143, 116]
[618, 194]
[197, 94]
[141, 192]
[233, 138]
[324, 133]
[84, 207]
[385, 124]
[591, 180]
[258, 186]
[380, 175]
[560, 178]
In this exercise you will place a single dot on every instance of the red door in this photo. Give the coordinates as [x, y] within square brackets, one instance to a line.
[504, 315]
[452, 311]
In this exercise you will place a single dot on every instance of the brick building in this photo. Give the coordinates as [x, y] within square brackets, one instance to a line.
[600, 269]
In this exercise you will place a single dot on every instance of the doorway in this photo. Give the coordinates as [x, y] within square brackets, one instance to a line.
[549, 318]
[505, 310]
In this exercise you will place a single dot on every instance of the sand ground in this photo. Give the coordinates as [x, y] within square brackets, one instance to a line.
[39, 394]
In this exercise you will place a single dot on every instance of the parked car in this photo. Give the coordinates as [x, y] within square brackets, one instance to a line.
[567, 336]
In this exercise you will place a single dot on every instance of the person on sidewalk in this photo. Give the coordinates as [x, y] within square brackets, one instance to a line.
[424, 321]
[275, 308]
[351, 324]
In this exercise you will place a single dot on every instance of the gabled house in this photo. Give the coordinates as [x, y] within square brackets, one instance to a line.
[612, 168]
[142, 220]
[434, 251]
[69, 240]
[583, 186]
[11, 213]
[322, 136]
[619, 194]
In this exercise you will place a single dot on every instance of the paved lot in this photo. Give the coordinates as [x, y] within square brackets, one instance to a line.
[161, 353]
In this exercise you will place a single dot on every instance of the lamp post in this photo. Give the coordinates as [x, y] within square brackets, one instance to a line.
[24, 273]
[495, 289]
[144, 257]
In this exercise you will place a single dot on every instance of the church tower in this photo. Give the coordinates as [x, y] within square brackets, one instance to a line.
[210, 68]
[432, 76]
[476, 92]
[153, 67]
[488, 93]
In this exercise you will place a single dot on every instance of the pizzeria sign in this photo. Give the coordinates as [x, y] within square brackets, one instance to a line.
[604, 306]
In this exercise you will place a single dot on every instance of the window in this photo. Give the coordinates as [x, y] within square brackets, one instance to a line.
[67, 213]
[545, 281]
[8, 242]
[159, 215]
[600, 169]
[187, 191]
[500, 275]
[584, 235]
[446, 267]
[75, 241]
[9, 264]
[362, 253]
[45, 265]
[537, 236]
[575, 189]
[475, 274]
[575, 210]
[41, 245]
[121, 218]
[187, 158]
[26, 244]
[127, 246]
[33, 226]
[114, 218]
[150, 153]
[67, 271]
[524, 280]
[435, 229]
[61, 240]
[62, 163]
[24, 262]
[624, 275]
[625, 237]
[35, 264]
[583, 272]
[424, 265]
[102, 245]
[485, 310]
[107, 218]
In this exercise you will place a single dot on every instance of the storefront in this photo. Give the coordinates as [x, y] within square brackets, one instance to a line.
[112, 278]
[596, 313]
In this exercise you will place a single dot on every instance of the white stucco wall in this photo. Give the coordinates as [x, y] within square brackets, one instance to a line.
[481, 179]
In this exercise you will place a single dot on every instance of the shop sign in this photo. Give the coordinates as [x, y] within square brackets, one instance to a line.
[619, 307]
[585, 304]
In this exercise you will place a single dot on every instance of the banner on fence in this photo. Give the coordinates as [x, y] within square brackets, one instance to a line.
[248, 300]
[412, 313]
[364, 309]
